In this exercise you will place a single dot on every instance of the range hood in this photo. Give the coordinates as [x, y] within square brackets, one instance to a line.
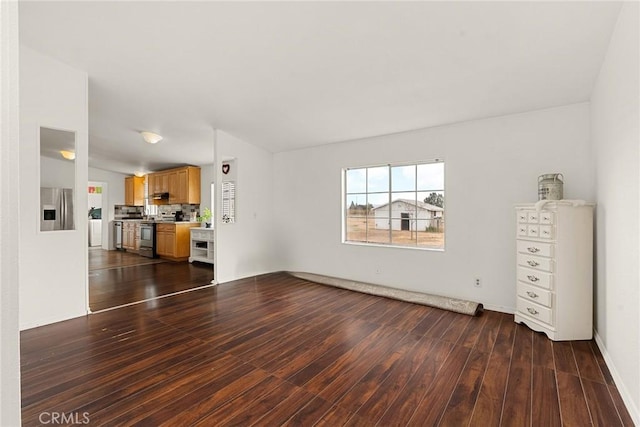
[160, 196]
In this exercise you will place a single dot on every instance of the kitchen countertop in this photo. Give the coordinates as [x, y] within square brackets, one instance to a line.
[157, 221]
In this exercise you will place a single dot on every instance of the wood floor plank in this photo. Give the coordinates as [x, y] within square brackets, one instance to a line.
[459, 409]
[625, 417]
[286, 409]
[255, 411]
[517, 408]
[542, 351]
[601, 406]
[389, 390]
[488, 408]
[471, 333]
[573, 406]
[586, 361]
[310, 413]
[232, 408]
[601, 363]
[412, 395]
[564, 358]
[546, 408]
[348, 371]
[278, 350]
[190, 407]
[488, 334]
[366, 386]
[337, 416]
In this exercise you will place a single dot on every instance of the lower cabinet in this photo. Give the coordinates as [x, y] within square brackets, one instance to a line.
[165, 240]
[131, 235]
[172, 240]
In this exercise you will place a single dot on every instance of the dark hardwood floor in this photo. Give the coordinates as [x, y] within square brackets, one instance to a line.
[277, 350]
[117, 278]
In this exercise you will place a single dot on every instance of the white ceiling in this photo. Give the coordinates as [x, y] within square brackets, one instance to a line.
[290, 75]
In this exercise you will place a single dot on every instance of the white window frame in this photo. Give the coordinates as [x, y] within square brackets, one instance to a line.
[390, 192]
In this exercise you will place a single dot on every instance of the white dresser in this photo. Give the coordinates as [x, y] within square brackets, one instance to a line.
[554, 264]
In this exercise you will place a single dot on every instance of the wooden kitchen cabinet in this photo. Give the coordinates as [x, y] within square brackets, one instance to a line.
[166, 240]
[134, 191]
[131, 235]
[151, 182]
[173, 240]
[182, 184]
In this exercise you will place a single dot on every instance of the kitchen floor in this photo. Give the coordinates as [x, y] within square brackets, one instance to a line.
[118, 278]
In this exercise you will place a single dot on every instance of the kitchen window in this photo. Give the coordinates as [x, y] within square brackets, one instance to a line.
[395, 205]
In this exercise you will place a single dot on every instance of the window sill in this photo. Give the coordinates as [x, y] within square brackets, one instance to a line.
[380, 245]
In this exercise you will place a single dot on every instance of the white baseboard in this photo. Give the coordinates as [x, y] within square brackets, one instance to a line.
[622, 389]
[499, 308]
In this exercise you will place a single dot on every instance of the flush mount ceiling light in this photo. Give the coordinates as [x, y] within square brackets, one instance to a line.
[151, 137]
[139, 174]
[69, 155]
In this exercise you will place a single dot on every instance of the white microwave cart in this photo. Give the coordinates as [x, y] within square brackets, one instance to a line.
[201, 245]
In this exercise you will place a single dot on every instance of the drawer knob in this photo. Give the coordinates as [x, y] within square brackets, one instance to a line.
[533, 263]
[532, 310]
[532, 278]
[533, 249]
[532, 294]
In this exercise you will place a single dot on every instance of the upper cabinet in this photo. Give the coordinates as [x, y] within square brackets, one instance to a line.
[134, 191]
[182, 184]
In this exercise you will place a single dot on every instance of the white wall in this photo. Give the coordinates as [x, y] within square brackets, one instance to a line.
[490, 165]
[52, 265]
[112, 194]
[616, 136]
[9, 199]
[245, 248]
[56, 173]
[207, 176]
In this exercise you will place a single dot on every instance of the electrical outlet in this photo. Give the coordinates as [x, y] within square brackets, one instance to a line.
[477, 283]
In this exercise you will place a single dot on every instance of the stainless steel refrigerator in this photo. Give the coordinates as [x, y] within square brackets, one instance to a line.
[56, 209]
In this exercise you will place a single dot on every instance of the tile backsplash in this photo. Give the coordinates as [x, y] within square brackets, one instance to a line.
[170, 210]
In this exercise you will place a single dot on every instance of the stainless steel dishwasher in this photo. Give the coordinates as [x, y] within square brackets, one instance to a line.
[117, 234]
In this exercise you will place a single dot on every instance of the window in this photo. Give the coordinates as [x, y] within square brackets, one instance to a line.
[397, 205]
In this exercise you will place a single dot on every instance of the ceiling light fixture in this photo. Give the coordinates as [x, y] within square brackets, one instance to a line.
[150, 137]
[69, 155]
[139, 174]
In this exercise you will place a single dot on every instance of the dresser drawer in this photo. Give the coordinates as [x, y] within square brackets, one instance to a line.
[535, 248]
[545, 232]
[533, 277]
[535, 294]
[533, 231]
[533, 217]
[535, 311]
[522, 217]
[535, 262]
[546, 218]
[522, 230]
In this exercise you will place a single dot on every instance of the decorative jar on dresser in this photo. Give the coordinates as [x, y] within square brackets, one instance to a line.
[554, 264]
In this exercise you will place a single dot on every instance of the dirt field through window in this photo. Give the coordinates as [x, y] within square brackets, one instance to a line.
[361, 229]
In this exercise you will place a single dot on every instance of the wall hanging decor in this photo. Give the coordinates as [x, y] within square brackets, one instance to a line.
[229, 191]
